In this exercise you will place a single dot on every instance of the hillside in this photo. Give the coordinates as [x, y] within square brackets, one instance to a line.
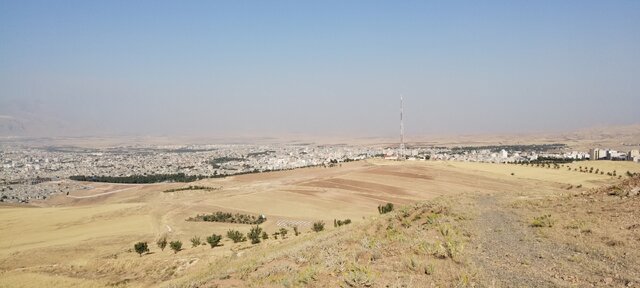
[590, 238]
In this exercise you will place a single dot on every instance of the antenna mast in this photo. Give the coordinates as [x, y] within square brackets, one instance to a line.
[401, 152]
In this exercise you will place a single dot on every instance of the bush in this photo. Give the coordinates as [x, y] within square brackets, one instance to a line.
[283, 233]
[265, 236]
[338, 223]
[162, 242]
[236, 236]
[195, 241]
[175, 246]
[255, 234]
[214, 239]
[318, 226]
[542, 221]
[141, 247]
[295, 230]
[385, 209]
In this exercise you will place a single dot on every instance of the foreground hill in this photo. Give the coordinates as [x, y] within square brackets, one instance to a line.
[588, 238]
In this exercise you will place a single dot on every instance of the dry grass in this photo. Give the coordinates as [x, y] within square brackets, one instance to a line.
[90, 240]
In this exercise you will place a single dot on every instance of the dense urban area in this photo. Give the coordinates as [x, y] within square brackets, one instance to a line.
[35, 173]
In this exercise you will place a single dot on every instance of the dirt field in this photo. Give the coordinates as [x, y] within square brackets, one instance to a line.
[85, 239]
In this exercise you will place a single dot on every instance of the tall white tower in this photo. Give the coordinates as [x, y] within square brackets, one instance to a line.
[401, 150]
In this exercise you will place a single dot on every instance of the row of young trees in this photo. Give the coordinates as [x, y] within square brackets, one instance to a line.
[176, 246]
[256, 235]
[583, 169]
[190, 187]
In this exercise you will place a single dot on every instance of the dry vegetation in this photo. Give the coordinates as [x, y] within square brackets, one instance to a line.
[453, 224]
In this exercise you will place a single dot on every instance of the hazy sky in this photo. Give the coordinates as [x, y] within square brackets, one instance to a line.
[322, 67]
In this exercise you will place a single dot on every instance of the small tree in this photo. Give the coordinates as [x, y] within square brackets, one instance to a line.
[175, 246]
[318, 226]
[213, 240]
[295, 230]
[195, 241]
[283, 232]
[141, 247]
[162, 242]
[386, 208]
[265, 236]
[236, 236]
[254, 234]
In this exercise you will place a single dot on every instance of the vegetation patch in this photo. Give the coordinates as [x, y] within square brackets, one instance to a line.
[140, 179]
[383, 209]
[542, 221]
[190, 187]
[226, 217]
[338, 223]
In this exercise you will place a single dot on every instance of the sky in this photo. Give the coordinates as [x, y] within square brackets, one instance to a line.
[268, 68]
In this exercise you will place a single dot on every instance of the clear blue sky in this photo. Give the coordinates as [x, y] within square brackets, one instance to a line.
[323, 67]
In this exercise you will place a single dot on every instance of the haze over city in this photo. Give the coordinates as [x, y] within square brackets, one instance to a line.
[219, 68]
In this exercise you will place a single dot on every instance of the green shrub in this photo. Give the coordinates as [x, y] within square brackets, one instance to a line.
[236, 236]
[283, 233]
[382, 209]
[265, 236]
[195, 241]
[214, 240]
[175, 246]
[255, 234]
[338, 223]
[141, 247]
[162, 242]
[318, 226]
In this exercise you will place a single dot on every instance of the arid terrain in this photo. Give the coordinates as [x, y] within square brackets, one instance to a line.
[455, 224]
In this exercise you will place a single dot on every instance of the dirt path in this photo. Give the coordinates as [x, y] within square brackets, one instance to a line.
[505, 250]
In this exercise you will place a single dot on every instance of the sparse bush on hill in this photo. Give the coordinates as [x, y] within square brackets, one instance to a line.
[195, 241]
[283, 232]
[318, 226]
[265, 236]
[236, 236]
[254, 234]
[542, 221]
[141, 247]
[213, 240]
[382, 209]
[162, 242]
[175, 246]
[338, 223]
